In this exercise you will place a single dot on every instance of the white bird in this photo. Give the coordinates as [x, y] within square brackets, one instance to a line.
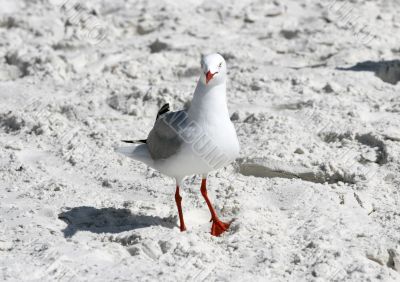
[193, 141]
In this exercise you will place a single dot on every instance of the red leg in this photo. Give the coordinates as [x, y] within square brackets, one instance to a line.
[218, 227]
[178, 200]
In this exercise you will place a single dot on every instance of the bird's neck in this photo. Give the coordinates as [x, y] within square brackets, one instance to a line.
[209, 103]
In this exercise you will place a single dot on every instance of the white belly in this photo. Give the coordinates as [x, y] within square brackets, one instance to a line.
[210, 151]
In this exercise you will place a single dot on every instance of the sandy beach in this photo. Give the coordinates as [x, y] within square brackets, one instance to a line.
[313, 94]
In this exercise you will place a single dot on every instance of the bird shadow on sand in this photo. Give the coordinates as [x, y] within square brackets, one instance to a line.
[387, 71]
[109, 220]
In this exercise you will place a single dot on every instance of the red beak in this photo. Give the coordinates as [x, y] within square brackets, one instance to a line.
[209, 76]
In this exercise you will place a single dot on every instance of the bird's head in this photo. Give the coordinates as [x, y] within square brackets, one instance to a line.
[213, 68]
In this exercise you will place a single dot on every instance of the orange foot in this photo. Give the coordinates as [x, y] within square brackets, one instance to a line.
[218, 227]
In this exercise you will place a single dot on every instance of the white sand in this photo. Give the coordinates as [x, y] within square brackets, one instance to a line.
[315, 195]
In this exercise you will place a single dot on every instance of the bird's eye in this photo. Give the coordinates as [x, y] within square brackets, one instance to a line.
[220, 65]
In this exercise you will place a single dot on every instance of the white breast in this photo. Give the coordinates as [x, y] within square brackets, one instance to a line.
[216, 144]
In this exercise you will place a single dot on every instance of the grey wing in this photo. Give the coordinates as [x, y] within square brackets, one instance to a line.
[165, 139]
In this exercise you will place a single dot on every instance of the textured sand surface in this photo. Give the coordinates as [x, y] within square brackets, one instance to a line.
[315, 195]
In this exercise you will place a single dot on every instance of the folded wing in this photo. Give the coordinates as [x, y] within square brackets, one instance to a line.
[165, 139]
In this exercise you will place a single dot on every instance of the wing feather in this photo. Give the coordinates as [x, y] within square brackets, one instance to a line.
[165, 139]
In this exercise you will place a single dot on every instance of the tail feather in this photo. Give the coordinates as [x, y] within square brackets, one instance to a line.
[135, 141]
[138, 152]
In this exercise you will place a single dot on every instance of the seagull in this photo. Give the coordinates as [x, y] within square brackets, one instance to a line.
[195, 141]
